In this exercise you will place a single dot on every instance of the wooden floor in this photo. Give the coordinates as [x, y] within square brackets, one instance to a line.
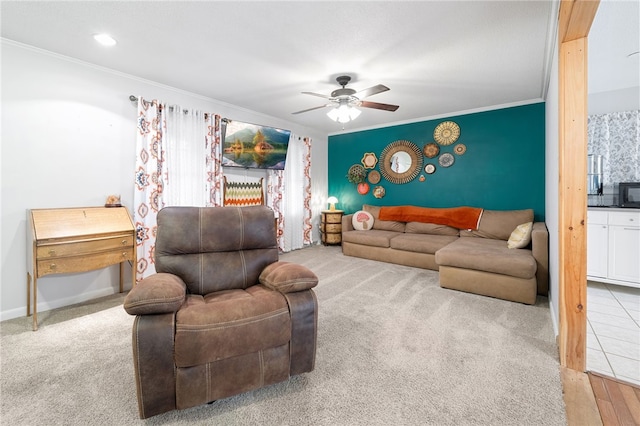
[618, 402]
[594, 400]
[579, 400]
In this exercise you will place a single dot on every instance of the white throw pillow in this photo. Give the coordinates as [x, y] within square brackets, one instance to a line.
[362, 221]
[521, 236]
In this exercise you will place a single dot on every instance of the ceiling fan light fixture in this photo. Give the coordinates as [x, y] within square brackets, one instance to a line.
[344, 113]
[344, 101]
[354, 113]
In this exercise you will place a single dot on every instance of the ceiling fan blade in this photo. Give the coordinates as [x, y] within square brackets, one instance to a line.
[371, 91]
[311, 109]
[376, 105]
[316, 94]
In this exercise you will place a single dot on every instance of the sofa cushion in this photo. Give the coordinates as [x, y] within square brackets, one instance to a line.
[490, 255]
[521, 236]
[229, 323]
[430, 228]
[362, 220]
[373, 237]
[498, 224]
[421, 243]
[383, 225]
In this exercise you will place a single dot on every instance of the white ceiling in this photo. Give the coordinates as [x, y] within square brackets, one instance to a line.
[614, 35]
[437, 57]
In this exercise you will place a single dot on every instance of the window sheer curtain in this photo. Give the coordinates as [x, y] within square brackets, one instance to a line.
[178, 163]
[289, 195]
[616, 136]
[186, 149]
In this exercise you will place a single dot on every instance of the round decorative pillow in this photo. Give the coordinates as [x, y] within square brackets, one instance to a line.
[362, 221]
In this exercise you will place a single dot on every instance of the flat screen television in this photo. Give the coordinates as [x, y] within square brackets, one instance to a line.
[252, 146]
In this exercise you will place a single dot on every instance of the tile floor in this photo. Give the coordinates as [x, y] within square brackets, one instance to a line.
[613, 331]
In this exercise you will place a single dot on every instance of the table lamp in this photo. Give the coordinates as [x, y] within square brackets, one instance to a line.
[332, 202]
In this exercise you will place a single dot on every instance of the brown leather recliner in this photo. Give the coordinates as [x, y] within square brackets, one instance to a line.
[222, 315]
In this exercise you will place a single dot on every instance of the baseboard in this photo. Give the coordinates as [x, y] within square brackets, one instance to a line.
[554, 318]
[58, 303]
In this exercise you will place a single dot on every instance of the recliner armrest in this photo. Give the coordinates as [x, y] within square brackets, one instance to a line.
[287, 277]
[160, 293]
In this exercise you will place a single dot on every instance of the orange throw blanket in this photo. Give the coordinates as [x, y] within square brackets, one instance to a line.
[457, 217]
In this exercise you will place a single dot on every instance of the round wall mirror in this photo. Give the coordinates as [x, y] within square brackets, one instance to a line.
[400, 162]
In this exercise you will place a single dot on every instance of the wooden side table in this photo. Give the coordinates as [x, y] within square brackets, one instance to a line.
[331, 227]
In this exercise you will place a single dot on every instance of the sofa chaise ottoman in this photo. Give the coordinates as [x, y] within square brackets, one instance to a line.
[476, 260]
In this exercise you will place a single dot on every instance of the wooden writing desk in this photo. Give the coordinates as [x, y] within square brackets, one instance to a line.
[71, 240]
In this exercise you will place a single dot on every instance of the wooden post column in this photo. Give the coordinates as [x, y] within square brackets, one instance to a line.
[575, 19]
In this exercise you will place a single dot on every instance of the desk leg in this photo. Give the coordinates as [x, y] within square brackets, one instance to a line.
[28, 294]
[121, 276]
[35, 303]
[134, 266]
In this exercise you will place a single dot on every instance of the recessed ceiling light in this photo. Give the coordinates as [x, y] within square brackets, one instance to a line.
[105, 39]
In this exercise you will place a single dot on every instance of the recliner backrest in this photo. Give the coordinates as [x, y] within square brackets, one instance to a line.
[215, 248]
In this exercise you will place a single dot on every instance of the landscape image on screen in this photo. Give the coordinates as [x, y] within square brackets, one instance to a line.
[253, 146]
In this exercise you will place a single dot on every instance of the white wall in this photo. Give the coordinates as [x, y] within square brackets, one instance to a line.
[551, 188]
[68, 140]
[614, 101]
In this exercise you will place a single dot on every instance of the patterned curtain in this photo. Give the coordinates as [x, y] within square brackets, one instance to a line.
[308, 226]
[275, 194]
[616, 136]
[214, 160]
[147, 197]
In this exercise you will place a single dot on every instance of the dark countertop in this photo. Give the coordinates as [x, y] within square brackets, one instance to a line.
[612, 208]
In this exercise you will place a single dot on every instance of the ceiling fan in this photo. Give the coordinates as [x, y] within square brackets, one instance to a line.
[345, 98]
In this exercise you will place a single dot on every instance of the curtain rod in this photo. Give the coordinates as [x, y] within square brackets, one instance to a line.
[134, 98]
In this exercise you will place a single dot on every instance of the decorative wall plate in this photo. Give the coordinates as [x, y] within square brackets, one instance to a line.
[378, 192]
[369, 160]
[363, 188]
[431, 150]
[430, 168]
[356, 174]
[374, 176]
[460, 149]
[446, 159]
[446, 133]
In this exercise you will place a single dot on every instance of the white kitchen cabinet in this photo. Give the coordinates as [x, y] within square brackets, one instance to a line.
[624, 246]
[613, 246]
[597, 244]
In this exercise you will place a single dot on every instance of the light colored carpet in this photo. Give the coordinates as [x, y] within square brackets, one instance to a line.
[393, 349]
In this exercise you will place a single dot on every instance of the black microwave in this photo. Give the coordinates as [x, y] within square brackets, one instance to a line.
[629, 194]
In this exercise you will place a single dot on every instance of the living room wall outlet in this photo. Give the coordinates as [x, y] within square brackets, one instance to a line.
[503, 167]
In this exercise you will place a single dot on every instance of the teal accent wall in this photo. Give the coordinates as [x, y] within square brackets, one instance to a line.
[502, 169]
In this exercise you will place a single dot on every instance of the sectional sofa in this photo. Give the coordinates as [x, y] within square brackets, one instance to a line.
[474, 258]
